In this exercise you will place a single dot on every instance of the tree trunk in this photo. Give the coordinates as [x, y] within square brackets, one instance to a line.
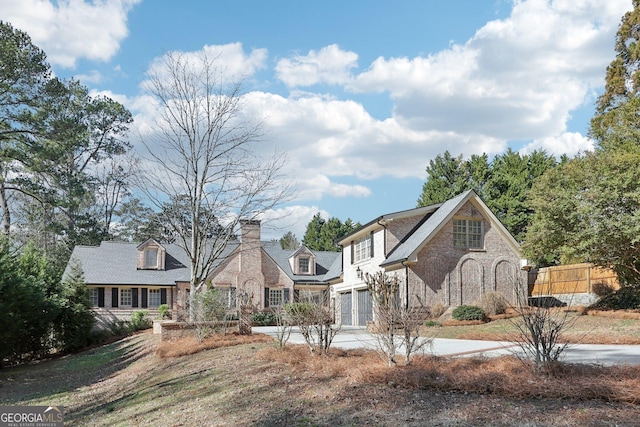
[4, 204]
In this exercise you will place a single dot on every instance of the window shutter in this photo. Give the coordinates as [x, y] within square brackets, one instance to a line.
[114, 297]
[286, 295]
[100, 297]
[352, 251]
[371, 244]
[266, 297]
[163, 296]
[296, 295]
[144, 297]
[134, 297]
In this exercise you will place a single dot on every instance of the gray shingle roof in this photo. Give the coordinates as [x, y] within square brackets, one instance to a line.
[414, 240]
[115, 263]
[324, 260]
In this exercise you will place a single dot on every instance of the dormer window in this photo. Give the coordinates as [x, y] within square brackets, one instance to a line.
[151, 258]
[303, 265]
[303, 261]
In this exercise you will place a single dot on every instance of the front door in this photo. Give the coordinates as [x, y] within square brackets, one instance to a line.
[345, 308]
[365, 307]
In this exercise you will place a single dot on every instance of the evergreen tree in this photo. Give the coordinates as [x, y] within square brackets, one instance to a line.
[446, 178]
[289, 241]
[506, 192]
[323, 235]
[312, 236]
[503, 184]
[616, 122]
[76, 320]
[29, 305]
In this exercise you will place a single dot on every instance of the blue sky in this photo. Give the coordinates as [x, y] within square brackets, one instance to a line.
[360, 94]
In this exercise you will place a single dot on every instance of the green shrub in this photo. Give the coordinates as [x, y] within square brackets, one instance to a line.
[468, 312]
[164, 312]
[140, 320]
[625, 298]
[119, 328]
[263, 318]
[431, 323]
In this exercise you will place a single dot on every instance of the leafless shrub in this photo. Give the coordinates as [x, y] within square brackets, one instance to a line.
[284, 325]
[315, 320]
[211, 313]
[538, 329]
[492, 303]
[437, 309]
[396, 326]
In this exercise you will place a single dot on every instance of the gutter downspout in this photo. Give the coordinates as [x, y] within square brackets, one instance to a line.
[406, 285]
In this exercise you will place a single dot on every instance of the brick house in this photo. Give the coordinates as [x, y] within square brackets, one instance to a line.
[450, 253]
[125, 277]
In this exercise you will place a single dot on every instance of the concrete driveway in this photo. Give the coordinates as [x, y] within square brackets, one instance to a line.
[352, 337]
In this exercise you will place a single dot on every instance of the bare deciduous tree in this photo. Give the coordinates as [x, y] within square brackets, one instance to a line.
[283, 327]
[397, 326]
[539, 327]
[203, 163]
[316, 323]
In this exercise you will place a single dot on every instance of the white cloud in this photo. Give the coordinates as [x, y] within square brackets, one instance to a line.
[328, 65]
[68, 30]
[330, 138]
[276, 222]
[315, 187]
[93, 77]
[517, 78]
[228, 62]
[569, 143]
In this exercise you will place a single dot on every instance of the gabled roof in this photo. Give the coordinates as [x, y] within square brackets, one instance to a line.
[301, 249]
[324, 261]
[148, 242]
[115, 263]
[382, 219]
[408, 248]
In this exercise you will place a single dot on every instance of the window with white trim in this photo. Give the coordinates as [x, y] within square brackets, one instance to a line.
[151, 258]
[362, 248]
[228, 295]
[154, 298]
[93, 296]
[303, 265]
[276, 297]
[125, 297]
[468, 233]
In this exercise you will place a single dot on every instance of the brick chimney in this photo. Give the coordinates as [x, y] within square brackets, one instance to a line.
[250, 277]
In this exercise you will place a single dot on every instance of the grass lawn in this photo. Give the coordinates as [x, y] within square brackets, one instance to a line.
[585, 329]
[131, 382]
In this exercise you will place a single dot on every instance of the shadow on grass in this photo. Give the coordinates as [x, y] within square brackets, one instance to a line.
[37, 380]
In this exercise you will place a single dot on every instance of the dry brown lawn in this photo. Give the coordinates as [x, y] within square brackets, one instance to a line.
[240, 381]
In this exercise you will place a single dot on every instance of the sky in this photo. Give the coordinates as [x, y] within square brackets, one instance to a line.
[359, 94]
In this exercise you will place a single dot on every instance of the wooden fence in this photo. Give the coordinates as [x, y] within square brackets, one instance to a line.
[570, 279]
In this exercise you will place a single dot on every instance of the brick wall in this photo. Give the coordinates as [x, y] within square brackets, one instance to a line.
[454, 276]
